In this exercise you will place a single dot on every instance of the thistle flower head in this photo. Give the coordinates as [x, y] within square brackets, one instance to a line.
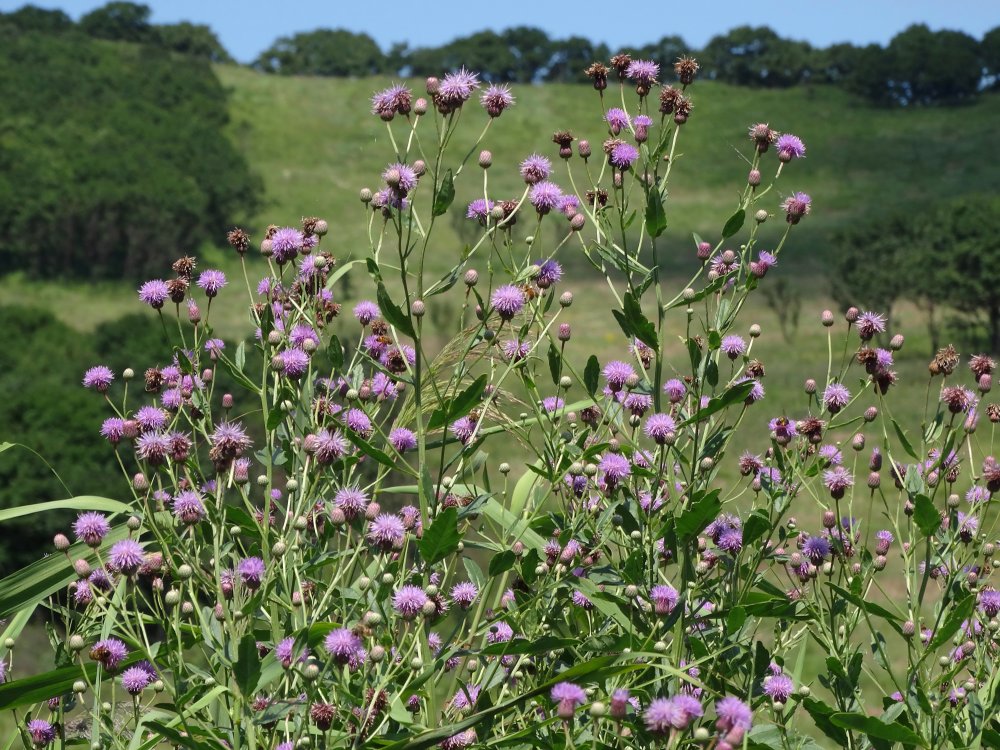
[98, 378]
[126, 556]
[496, 99]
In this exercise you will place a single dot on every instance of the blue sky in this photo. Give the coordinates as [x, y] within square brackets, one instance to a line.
[248, 26]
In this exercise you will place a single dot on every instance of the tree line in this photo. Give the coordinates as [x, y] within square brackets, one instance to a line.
[917, 67]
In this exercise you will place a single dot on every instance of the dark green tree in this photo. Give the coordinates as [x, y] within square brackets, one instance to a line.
[571, 56]
[757, 56]
[989, 51]
[665, 52]
[933, 67]
[193, 39]
[323, 52]
[120, 22]
[33, 18]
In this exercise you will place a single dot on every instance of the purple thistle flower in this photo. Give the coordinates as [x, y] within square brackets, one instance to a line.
[664, 715]
[675, 390]
[837, 480]
[251, 571]
[392, 101]
[329, 445]
[365, 312]
[623, 156]
[150, 418]
[730, 540]
[154, 293]
[659, 426]
[836, 397]
[664, 598]
[188, 507]
[783, 428]
[869, 324]
[790, 147]
[286, 244]
[496, 99]
[500, 632]
[507, 301]
[113, 430]
[126, 556]
[549, 273]
[464, 594]
[229, 440]
[545, 196]
[569, 205]
[301, 333]
[479, 210]
[351, 501]
[535, 168]
[466, 697]
[756, 390]
[456, 88]
[615, 467]
[636, 403]
[552, 404]
[617, 374]
[989, 602]
[816, 548]
[386, 532]
[617, 120]
[91, 528]
[643, 72]
[212, 281]
[400, 178]
[109, 653]
[41, 732]
[977, 494]
[567, 691]
[408, 601]
[357, 421]
[734, 346]
[732, 713]
[796, 206]
[580, 600]
[294, 363]
[402, 439]
[284, 652]
[135, 680]
[464, 428]
[342, 645]
[778, 687]
[831, 454]
[516, 350]
[98, 378]
[463, 739]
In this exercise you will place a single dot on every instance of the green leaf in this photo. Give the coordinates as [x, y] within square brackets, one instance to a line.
[502, 563]
[735, 395]
[734, 223]
[821, 713]
[81, 502]
[634, 324]
[392, 312]
[445, 194]
[459, 406]
[529, 646]
[695, 518]
[875, 727]
[248, 666]
[334, 277]
[554, 363]
[926, 515]
[903, 441]
[241, 355]
[441, 538]
[335, 351]
[591, 375]
[960, 612]
[522, 491]
[656, 218]
[370, 450]
[870, 607]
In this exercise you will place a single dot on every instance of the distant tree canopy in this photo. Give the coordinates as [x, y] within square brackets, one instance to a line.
[113, 157]
[324, 52]
[121, 22]
[947, 260]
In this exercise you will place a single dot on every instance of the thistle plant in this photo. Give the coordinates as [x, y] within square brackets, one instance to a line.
[373, 539]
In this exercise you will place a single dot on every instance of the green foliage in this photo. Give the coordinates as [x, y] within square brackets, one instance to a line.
[120, 22]
[756, 56]
[114, 160]
[324, 52]
[193, 39]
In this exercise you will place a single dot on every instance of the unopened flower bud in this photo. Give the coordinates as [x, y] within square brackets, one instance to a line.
[471, 277]
[753, 179]
[755, 331]
[871, 413]
[566, 299]
[81, 567]
[420, 107]
[577, 222]
[365, 195]
[810, 386]
[60, 542]
[852, 314]
[485, 159]
[760, 215]
[418, 308]
[827, 318]
[583, 148]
